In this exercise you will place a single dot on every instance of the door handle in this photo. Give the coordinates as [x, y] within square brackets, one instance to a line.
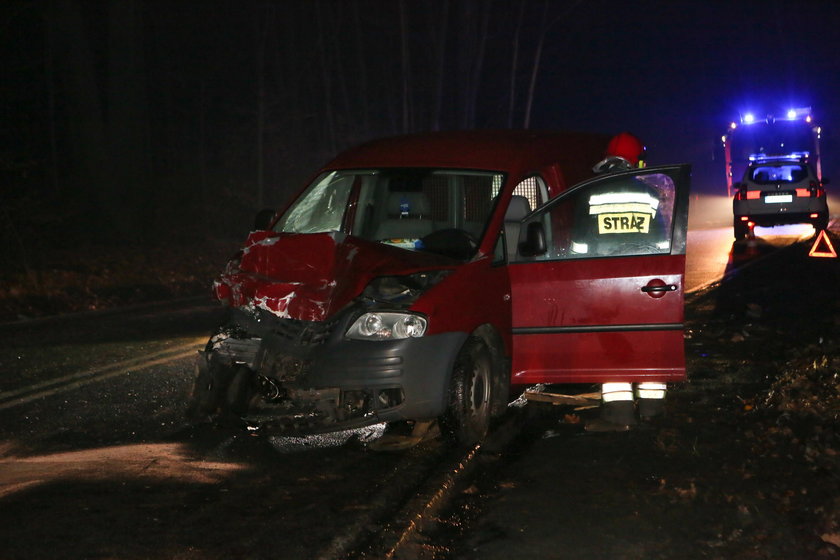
[657, 288]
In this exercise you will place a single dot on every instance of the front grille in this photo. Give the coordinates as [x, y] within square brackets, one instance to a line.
[302, 333]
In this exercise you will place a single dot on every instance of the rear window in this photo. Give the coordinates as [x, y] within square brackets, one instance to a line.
[771, 174]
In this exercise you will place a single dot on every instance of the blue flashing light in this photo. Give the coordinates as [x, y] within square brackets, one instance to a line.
[793, 156]
[792, 114]
[797, 113]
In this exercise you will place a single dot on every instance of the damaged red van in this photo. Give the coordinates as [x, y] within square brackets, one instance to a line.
[435, 276]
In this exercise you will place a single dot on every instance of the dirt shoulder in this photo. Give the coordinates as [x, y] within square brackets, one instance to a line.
[95, 277]
[745, 464]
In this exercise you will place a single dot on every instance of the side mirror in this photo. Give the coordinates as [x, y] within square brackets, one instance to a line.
[534, 243]
[263, 219]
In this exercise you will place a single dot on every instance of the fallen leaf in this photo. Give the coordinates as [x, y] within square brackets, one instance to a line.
[571, 419]
[831, 538]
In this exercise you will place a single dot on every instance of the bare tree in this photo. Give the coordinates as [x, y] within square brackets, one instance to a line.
[515, 63]
[405, 59]
[535, 69]
[439, 39]
[264, 21]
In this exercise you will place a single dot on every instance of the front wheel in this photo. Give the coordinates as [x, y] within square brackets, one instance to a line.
[209, 388]
[471, 394]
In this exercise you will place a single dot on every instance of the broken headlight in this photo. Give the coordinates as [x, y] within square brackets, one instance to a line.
[387, 326]
[403, 289]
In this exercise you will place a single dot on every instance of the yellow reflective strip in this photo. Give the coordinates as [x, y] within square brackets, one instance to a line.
[622, 197]
[595, 209]
[611, 392]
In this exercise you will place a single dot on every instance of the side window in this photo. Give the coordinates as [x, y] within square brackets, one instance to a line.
[618, 216]
[533, 189]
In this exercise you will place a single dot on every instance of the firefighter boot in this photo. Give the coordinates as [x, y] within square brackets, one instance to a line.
[622, 413]
[651, 399]
[616, 416]
[651, 408]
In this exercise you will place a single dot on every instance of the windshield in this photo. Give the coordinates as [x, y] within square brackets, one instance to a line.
[400, 207]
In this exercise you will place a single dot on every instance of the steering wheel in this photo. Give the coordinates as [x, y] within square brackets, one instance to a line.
[451, 242]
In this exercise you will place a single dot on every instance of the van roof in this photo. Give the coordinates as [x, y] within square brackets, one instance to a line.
[510, 151]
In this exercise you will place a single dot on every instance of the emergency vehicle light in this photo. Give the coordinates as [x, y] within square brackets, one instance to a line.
[792, 156]
[799, 113]
[749, 118]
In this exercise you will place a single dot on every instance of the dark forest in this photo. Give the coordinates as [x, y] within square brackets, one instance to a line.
[136, 120]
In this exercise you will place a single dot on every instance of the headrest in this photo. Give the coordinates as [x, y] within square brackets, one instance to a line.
[409, 204]
[518, 208]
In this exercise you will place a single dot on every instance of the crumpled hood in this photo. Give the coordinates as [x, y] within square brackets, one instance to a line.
[312, 276]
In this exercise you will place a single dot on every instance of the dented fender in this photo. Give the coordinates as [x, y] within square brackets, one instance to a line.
[310, 277]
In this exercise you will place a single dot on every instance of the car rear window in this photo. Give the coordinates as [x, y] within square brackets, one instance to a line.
[767, 174]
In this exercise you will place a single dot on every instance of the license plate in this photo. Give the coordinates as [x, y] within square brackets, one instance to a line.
[778, 198]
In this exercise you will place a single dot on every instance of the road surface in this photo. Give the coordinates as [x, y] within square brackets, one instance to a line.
[96, 459]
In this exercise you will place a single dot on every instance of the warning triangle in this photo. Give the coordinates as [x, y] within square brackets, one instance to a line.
[822, 247]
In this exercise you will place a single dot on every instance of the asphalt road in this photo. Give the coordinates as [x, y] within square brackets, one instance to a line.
[96, 460]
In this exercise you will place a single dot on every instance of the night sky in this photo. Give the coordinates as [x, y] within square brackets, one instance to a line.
[223, 107]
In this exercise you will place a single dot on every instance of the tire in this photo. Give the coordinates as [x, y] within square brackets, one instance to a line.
[821, 223]
[209, 389]
[472, 394]
[741, 231]
[240, 391]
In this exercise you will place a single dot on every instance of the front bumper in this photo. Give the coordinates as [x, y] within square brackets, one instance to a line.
[305, 382]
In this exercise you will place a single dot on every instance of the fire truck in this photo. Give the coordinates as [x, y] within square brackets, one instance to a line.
[774, 171]
[433, 277]
[793, 134]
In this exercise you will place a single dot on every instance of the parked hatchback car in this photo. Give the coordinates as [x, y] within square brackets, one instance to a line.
[776, 192]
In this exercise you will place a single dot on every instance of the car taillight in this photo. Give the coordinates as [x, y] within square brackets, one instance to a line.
[747, 195]
[804, 192]
[816, 189]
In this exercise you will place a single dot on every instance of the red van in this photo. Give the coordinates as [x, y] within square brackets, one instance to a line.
[435, 276]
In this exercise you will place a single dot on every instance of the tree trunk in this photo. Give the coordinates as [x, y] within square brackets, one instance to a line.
[129, 197]
[440, 53]
[405, 59]
[535, 69]
[263, 21]
[513, 65]
[87, 142]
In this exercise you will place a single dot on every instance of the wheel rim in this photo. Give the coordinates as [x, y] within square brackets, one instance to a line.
[479, 391]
